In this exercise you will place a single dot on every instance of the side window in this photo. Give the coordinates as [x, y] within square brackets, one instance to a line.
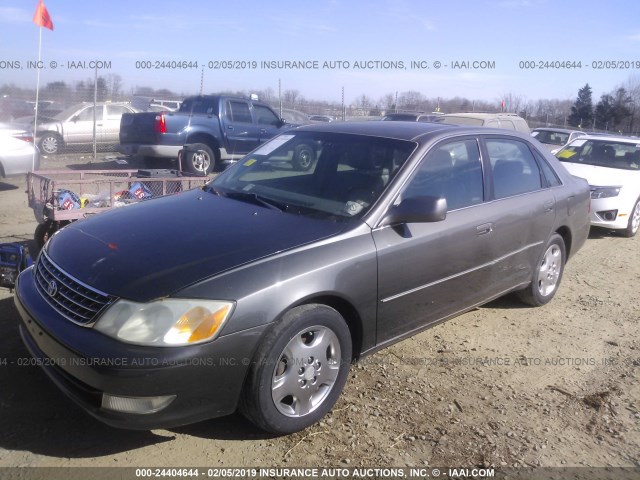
[116, 111]
[264, 116]
[239, 111]
[87, 114]
[451, 171]
[549, 174]
[514, 169]
[508, 124]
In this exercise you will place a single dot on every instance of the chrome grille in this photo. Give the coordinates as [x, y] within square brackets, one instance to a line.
[71, 298]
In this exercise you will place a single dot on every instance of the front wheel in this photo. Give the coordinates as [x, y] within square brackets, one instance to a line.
[199, 159]
[547, 274]
[300, 370]
[634, 221]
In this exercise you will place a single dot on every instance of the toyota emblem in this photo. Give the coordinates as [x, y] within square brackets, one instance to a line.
[52, 288]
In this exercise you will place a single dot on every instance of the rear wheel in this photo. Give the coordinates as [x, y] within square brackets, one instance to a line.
[199, 159]
[300, 371]
[50, 144]
[303, 157]
[634, 221]
[547, 274]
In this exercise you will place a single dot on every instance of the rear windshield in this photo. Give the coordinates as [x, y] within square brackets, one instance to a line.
[203, 105]
[550, 137]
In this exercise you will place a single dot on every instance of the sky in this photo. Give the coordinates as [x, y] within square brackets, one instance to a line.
[369, 46]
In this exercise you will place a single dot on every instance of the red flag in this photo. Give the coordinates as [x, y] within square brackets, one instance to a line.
[41, 17]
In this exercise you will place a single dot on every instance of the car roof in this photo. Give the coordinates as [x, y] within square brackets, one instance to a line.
[413, 131]
[481, 115]
[611, 138]
[398, 130]
[553, 129]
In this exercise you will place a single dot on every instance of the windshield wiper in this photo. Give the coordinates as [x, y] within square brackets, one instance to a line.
[258, 199]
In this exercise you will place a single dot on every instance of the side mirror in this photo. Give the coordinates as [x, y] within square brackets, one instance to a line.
[281, 122]
[75, 118]
[417, 210]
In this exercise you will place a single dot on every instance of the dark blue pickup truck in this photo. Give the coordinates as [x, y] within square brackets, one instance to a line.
[215, 128]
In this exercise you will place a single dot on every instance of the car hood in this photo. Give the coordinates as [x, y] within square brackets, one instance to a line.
[155, 248]
[602, 176]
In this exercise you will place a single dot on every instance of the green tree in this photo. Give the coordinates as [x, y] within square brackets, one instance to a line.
[582, 109]
[605, 112]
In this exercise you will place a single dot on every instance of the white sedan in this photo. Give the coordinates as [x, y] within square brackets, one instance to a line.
[611, 165]
[18, 155]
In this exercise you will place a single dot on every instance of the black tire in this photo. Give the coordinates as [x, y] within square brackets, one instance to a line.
[50, 144]
[199, 159]
[43, 233]
[547, 273]
[303, 157]
[321, 338]
[634, 221]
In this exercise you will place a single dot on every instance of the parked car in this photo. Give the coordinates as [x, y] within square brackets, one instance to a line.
[508, 121]
[74, 126]
[294, 117]
[555, 138]
[258, 290]
[611, 165]
[321, 118]
[413, 117]
[220, 129]
[18, 155]
[14, 108]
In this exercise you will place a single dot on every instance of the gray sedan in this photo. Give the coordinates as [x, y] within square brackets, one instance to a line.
[258, 291]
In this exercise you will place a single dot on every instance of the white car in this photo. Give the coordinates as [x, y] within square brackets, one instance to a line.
[18, 155]
[611, 165]
[555, 138]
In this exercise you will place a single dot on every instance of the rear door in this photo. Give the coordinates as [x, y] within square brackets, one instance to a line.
[268, 122]
[111, 123]
[79, 128]
[243, 135]
[428, 271]
[523, 209]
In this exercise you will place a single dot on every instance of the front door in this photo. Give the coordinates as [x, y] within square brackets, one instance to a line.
[428, 271]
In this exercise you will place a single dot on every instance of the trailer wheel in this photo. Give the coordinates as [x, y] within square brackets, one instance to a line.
[43, 233]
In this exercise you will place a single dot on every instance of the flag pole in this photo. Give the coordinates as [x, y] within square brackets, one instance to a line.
[35, 117]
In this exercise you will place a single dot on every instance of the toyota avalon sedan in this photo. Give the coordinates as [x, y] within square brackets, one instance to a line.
[259, 290]
[611, 165]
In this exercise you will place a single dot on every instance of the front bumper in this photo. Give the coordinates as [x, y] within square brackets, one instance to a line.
[609, 213]
[206, 379]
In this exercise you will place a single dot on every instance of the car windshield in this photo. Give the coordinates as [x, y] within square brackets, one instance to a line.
[551, 137]
[327, 175]
[602, 153]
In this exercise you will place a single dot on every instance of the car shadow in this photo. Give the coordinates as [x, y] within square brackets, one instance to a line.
[507, 302]
[599, 233]
[5, 187]
[38, 418]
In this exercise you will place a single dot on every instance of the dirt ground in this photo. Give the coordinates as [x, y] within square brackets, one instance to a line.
[503, 385]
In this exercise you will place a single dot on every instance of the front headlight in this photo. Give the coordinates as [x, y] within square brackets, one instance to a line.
[165, 323]
[605, 192]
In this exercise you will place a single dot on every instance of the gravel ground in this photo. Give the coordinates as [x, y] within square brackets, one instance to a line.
[500, 386]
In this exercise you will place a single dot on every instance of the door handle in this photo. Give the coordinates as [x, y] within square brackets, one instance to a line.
[262, 130]
[230, 127]
[548, 206]
[484, 228]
